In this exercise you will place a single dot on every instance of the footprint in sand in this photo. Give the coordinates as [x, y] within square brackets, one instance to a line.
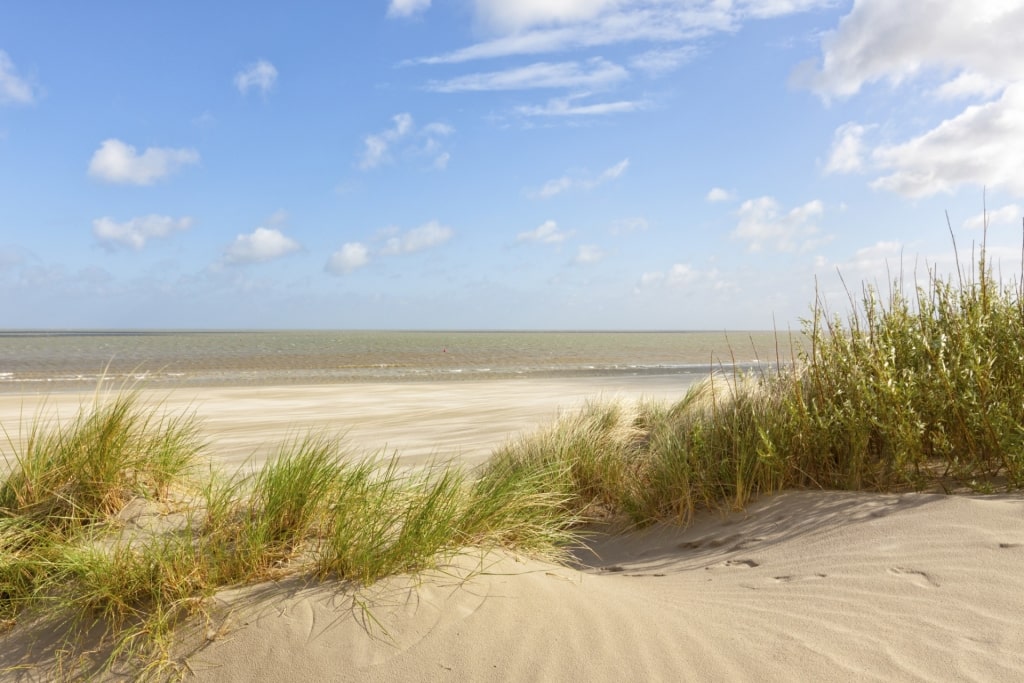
[917, 577]
[803, 577]
[748, 564]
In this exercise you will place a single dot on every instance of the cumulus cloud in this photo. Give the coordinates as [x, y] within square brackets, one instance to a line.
[560, 185]
[1011, 214]
[589, 253]
[545, 233]
[596, 73]
[972, 50]
[763, 223]
[136, 232]
[717, 194]
[407, 8]
[880, 40]
[847, 154]
[117, 162]
[426, 236]
[13, 88]
[351, 256]
[983, 146]
[260, 75]
[262, 244]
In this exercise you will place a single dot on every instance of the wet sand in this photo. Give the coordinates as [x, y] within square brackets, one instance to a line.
[417, 421]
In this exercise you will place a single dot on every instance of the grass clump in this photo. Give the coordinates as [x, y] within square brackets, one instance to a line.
[76, 556]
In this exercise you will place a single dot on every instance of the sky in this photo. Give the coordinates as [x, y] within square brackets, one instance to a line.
[487, 164]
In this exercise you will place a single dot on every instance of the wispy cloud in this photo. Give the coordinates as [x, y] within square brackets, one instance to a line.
[568, 106]
[531, 28]
[407, 8]
[13, 88]
[134, 233]
[663, 61]
[262, 244]
[260, 75]
[117, 162]
[378, 146]
[545, 233]
[596, 73]
[560, 185]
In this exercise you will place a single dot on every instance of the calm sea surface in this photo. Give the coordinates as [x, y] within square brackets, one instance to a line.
[57, 361]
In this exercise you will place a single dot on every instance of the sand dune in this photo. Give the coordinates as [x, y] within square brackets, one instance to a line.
[802, 586]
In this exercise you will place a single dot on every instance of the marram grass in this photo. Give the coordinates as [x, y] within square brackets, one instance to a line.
[911, 391]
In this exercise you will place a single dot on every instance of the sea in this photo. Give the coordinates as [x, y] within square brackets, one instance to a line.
[34, 361]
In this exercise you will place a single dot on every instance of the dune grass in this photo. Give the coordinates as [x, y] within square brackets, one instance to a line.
[919, 391]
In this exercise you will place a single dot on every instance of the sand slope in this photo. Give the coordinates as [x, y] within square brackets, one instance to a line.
[803, 586]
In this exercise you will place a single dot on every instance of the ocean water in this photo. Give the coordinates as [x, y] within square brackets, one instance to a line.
[37, 361]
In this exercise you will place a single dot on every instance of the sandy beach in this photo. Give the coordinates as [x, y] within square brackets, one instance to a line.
[418, 421]
[800, 586]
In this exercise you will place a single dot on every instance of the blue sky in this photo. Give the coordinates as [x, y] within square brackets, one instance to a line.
[485, 164]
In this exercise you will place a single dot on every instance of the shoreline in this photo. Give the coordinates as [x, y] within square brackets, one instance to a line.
[417, 421]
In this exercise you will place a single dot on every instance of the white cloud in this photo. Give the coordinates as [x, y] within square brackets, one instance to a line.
[629, 225]
[263, 244]
[545, 233]
[972, 51]
[530, 27]
[847, 149]
[407, 8]
[135, 232]
[560, 185]
[662, 61]
[522, 14]
[261, 75]
[983, 146]
[13, 88]
[678, 275]
[589, 253]
[968, 84]
[379, 145]
[881, 40]
[426, 236]
[564, 106]
[351, 256]
[1011, 214]
[762, 223]
[717, 194]
[117, 162]
[596, 73]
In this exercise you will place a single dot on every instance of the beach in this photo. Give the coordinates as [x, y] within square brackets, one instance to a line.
[800, 585]
[416, 421]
